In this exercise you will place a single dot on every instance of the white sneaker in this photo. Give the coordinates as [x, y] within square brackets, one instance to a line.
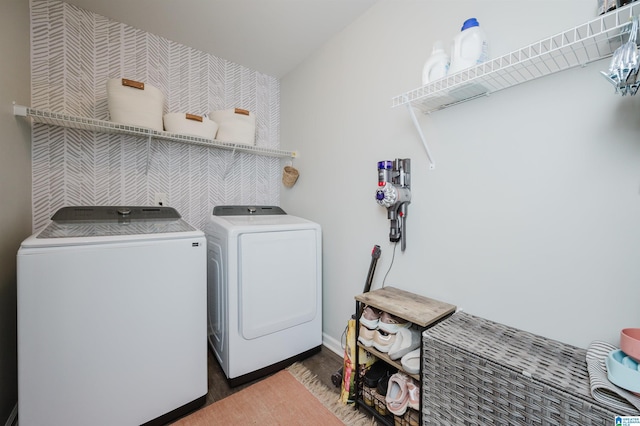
[383, 341]
[370, 317]
[407, 339]
[391, 323]
[365, 336]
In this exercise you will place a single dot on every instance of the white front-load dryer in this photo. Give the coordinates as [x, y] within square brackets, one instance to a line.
[264, 280]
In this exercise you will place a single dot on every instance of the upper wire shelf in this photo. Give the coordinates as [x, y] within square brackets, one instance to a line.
[84, 123]
[592, 41]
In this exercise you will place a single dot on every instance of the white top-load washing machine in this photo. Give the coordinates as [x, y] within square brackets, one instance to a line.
[111, 318]
[264, 289]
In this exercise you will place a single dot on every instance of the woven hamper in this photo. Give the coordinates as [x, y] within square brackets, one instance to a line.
[478, 372]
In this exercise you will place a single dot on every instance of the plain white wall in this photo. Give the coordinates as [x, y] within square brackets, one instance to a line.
[15, 186]
[532, 214]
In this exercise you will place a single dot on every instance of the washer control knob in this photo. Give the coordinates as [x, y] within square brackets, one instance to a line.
[123, 211]
[252, 210]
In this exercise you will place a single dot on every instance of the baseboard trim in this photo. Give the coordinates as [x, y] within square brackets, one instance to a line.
[13, 417]
[333, 345]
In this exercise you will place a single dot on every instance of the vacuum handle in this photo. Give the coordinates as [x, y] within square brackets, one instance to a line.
[375, 255]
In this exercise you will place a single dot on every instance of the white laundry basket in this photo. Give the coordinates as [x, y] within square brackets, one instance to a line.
[135, 103]
[235, 125]
[190, 124]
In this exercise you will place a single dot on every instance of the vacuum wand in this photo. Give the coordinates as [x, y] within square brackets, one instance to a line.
[375, 255]
[394, 193]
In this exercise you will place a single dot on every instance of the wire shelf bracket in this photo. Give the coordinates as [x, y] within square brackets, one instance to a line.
[412, 113]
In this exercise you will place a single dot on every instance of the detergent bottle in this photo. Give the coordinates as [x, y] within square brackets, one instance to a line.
[469, 48]
[437, 65]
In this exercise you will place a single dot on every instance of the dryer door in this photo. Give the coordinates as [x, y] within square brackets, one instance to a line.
[278, 280]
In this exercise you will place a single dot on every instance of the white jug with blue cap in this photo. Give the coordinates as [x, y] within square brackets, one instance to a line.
[469, 48]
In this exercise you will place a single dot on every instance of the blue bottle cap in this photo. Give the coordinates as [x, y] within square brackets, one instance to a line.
[471, 22]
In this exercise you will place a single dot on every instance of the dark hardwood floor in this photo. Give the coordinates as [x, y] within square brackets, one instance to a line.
[322, 364]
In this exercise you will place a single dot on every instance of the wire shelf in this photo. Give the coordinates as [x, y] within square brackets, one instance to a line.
[595, 40]
[90, 124]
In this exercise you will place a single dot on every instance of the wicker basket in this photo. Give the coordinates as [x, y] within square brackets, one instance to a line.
[479, 372]
[290, 176]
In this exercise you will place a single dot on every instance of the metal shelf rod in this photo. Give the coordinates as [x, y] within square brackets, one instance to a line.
[579, 46]
[90, 124]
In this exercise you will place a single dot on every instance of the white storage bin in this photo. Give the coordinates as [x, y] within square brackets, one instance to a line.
[135, 103]
[235, 125]
[189, 124]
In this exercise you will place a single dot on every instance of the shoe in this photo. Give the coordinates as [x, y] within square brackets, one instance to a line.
[370, 317]
[383, 383]
[413, 389]
[377, 370]
[411, 362]
[407, 339]
[397, 398]
[383, 341]
[365, 336]
[391, 323]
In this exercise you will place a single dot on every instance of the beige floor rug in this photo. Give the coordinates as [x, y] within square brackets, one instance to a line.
[294, 396]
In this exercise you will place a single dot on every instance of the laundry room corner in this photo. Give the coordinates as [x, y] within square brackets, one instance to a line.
[15, 190]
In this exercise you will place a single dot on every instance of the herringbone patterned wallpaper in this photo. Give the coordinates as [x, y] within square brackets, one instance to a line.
[73, 53]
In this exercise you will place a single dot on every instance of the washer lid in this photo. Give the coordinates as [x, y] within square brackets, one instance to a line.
[113, 213]
[247, 210]
[101, 221]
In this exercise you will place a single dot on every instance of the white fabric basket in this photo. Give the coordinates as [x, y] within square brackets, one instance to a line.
[235, 125]
[135, 103]
[189, 124]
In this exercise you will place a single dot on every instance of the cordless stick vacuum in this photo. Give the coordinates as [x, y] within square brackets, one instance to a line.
[394, 193]
[336, 378]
